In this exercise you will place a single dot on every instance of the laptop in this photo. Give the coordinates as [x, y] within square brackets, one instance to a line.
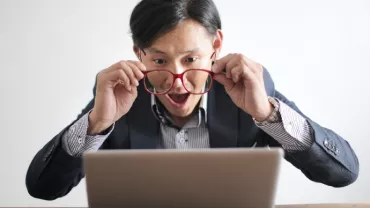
[215, 178]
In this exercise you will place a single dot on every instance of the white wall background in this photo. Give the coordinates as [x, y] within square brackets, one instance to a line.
[318, 53]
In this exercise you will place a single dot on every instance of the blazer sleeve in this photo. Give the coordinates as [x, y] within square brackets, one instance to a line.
[53, 172]
[329, 160]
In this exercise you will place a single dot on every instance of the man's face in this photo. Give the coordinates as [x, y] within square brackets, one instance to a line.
[188, 46]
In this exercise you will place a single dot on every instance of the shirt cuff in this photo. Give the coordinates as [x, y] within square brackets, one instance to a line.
[76, 141]
[291, 129]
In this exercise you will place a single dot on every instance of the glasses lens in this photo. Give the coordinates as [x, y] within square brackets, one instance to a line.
[158, 81]
[197, 81]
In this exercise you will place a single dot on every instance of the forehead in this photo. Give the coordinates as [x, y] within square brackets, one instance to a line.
[184, 37]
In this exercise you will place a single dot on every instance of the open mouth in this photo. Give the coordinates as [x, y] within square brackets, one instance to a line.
[179, 99]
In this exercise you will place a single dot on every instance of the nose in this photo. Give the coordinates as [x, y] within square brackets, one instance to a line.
[178, 85]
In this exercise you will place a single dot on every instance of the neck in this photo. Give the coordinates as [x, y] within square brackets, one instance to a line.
[180, 121]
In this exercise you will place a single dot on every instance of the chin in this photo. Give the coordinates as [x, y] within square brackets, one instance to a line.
[180, 112]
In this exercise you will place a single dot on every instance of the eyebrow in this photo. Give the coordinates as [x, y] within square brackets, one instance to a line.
[154, 50]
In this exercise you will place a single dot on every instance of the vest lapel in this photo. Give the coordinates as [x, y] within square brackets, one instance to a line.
[222, 118]
[144, 131]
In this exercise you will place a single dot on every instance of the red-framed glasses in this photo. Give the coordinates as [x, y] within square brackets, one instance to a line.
[161, 81]
[195, 81]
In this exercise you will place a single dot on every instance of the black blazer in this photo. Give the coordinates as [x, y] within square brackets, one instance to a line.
[330, 160]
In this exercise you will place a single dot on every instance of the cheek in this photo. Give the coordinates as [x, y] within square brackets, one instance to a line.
[197, 80]
[204, 63]
[193, 100]
[163, 99]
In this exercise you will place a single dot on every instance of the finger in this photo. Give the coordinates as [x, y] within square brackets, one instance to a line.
[226, 82]
[220, 64]
[116, 66]
[236, 73]
[235, 61]
[119, 76]
[254, 66]
[136, 69]
[129, 72]
[125, 79]
[140, 65]
[242, 72]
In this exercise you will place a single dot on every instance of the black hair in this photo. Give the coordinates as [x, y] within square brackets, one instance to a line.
[153, 18]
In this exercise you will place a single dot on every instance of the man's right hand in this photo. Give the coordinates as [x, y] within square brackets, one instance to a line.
[116, 91]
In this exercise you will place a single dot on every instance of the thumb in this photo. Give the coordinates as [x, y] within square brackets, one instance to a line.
[226, 82]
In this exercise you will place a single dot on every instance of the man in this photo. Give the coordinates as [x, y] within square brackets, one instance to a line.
[179, 95]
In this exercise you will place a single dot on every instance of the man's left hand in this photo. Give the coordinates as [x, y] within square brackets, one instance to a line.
[243, 82]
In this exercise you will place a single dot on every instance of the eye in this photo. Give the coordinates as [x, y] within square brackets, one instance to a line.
[191, 59]
[159, 61]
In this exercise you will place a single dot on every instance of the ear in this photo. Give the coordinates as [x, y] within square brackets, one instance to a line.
[217, 42]
[136, 51]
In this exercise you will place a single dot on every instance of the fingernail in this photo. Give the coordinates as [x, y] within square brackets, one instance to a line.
[136, 83]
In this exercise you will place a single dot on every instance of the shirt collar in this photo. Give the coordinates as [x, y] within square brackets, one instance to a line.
[202, 113]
